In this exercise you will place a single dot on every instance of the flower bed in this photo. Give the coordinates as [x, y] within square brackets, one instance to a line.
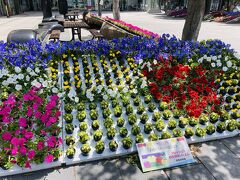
[131, 28]
[112, 94]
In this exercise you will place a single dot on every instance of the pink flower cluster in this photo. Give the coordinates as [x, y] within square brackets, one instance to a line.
[21, 120]
[133, 28]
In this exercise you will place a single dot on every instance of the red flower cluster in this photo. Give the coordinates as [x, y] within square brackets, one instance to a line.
[191, 89]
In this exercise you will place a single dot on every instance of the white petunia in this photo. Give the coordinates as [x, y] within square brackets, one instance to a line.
[214, 58]
[105, 97]
[224, 68]
[41, 91]
[155, 62]
[91, 99]
[37, 70]
[229, 64]
[18, 87]
[125, 90]
[41, 80]
[200, 60]
[76, 99]
[29, 69]
[5, 83]
[140, 61]
[205, 56]
[213, 64]
[27, 78]
[209, 59]
[55, 90]
[219, 64]
[45, 84]
[220, 56]
[226, 58]
[20, 76]
[17, 69]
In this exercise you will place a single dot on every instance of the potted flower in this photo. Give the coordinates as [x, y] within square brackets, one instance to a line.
[104, 104]
[113, 145]
[156, 116]
[85, 149]
[232, 125]
[228, 99]
[97, 135]
[123, 132]
[135, 130]
[144, 118]
[160, 125]
[221, 127]
[148, 127]
[108, 122]
[95, 125]
[176, 113]
[120, 122]
[69, 128]
[172, 124]
[100, 146]
[231, 91]
[80, 106]
[167, 114]
[203, 119]
[214, 117]
[106, 112]
[193, 121]
[83, 126]
[83, 137]
[70, 140]
[92, 106]
[132, 119]
[111, 132]
[81, 115]
[210, 129]
[183, 122]
[163, 106]
[117, 111]
[127, 142]
[147, 98]
[235, 114]
[189, 132]
[137, 101]
[115, 103]
[139, 138]
[94, 114]
[177, 133]
[68, 118]
[68, 107]
[140, 109]
[125, 101]
[166, 135]
[227, 107]
[129, 109]
[151, 107]
[153, 137]
[70, 152]
[200, 132]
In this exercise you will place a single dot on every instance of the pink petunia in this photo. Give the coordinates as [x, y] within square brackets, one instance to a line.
[14, 141]
[58, 113]
[22, 122]
[6, 136]
[38, 115]
[35, 106]
[29, 112]
[14, 151]
[21, 141]
[23, 150]
[27, 164]
[51, 141]
[54, 98]
[31, 154]
[28, 135]
[40, 145]
[49, 158]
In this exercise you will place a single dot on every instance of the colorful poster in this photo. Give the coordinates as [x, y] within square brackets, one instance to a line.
[164, 153]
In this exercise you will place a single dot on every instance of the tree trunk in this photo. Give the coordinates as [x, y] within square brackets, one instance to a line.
[208, 6]
[194, 18]
[47, 8]
[116, 10]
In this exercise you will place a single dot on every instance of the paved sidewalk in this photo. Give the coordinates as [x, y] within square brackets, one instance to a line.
[159, 23]
[217, 160]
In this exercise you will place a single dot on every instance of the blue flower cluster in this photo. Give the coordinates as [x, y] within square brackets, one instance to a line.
[33, 52]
